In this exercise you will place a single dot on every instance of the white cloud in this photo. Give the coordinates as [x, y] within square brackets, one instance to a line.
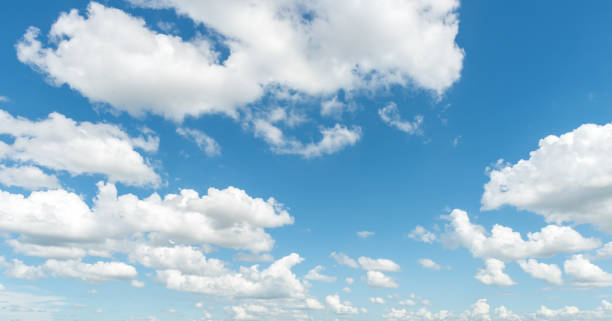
[480, 311]
[344, 259]
[137, 284]
[378, 279]
[28, 177]
[505, 244]
[390, 115]
[17, 269]
[421, 234]
[332, 107]
[227, 217]
[493, 274]
[62, 144]
[412, 43]
[568, 178]
[183, 258]
[28, 306]
[333, 139]
[586, 274]
[502, 313]
[277, 281]
[339, 307]
[315, 275]
[46, 251]
[605, 251]
[377, 300]
[349, 281]
[547, 272]
[365, 234]
[407, 302]
[385, 265]
[207, 144]
[429, 264]
[97, 272]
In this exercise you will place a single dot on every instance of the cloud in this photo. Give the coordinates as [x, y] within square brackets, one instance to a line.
[186, 259]
[344, 259]
[429, 264]
[390, 115]
[277, 281]
[586, 274]
[547, 272]
[97, 272]
[385, 265]
[349, 281]
[228, 218]
[505, 244]
[28, 306]
[4, 99]
[315, 275]
[204, 142]
[28, 177]
[493, 274]
[377, 300]
[421, 234]
[316, 56]
[605, 251]
[253, 257]
[339, 307]
[61, 144]
[568, 178]
[365, 234]
[17, 269]
[333, 139]
[378, 279]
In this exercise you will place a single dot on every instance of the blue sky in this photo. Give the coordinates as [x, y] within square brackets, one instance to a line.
[295, 160]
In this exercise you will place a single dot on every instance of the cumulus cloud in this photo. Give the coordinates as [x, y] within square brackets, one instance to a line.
[207, 144]
[378, 279]
[318, 56]
[493, 274]
[28, 177]
[62, 144]
[315, 275]
[391, 116]
[277, 281]
[505, 244]
[377, 300]
[429, 264]
[97, 272]
[228, 218]
[547, 272]
[586, 274]
[421, 234]
[568, 178]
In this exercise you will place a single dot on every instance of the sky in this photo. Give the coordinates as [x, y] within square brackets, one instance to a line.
[305, 160]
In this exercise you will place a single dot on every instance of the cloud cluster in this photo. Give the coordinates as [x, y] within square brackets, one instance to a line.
[59, 143]
[568, 178]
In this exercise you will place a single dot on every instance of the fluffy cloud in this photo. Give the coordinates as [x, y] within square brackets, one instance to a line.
[377, 300]
[277, 281]
[493, 274]
[429, 264]
[315, 275]
[28, 177]
[339, 307]
[390, 115]
[17, 269]
[227, 217]
[183, 258]
[378, 279]
[207, 144]
[421, 234]
[412, 43]
[605, 251]
[547, 272]
[62, 144]
[568, 178]
[505, 244]
[370, 264]
[586, 274]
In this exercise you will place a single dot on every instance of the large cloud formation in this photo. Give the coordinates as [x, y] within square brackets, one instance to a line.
[568, 178]
[312, 47]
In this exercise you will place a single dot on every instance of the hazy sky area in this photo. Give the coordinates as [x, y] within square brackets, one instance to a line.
[169, 160]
